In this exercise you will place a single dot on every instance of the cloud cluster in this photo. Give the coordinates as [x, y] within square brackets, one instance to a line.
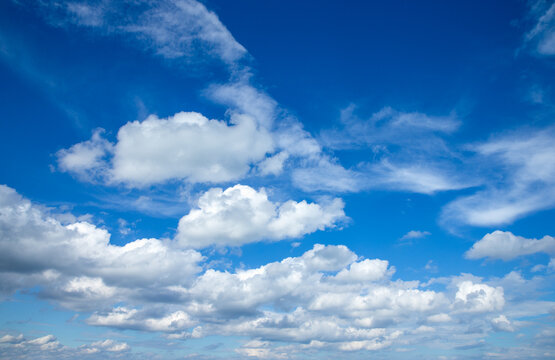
[48, 347]
[80, 263]
[327, 298]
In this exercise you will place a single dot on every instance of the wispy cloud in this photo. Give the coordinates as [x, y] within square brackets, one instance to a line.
[174, 29]
[542, 35]
[414, 234]
[521, 181]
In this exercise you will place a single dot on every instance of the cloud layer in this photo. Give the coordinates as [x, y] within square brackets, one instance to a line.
[327, 298]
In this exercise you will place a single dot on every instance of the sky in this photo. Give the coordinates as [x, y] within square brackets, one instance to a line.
[186, 179]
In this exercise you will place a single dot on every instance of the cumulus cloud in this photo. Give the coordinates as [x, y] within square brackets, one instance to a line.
[241, 215]
[525, 181]
[471, 297]
[78, 259]
[48, 347]
[186, 146]
[506, 246]
[327, 293]
[86, 159]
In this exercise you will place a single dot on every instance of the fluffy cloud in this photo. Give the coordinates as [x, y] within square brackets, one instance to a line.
[507, 246]
[78, 258]
[327, 293]
[472, 297]
[526, 182]
[86, 159]
[186, 146]
[240, 215]
[48, 347]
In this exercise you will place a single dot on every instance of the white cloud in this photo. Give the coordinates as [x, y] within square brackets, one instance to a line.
[507, 246]
[391, 127]
[186, 146]
[241, 215]
[243, 98]
[473, 297]
[543, 33]
[415, 234]
[11, 339]
[409, 153]
[125, 318]
[170, 28]
[328, 293]
[420, 178]
[77, 260]
[274, 164]
[365, 271]
[526, 181]
[86, 159]
[439, 318]
[325, 174]
[48, 347]
[501, 323]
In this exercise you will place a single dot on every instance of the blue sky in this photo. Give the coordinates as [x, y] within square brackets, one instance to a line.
[277, 180]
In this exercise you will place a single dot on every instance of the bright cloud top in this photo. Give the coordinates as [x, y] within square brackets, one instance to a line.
[186, 146]
[506, 246]
[241, 215]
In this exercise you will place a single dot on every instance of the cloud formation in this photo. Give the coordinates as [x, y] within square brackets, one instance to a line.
[170, 28]
[327, 293]
[525, 182]
[241, 215]
[185, 146]
[542, 36]
[506, 246]
[48, 347]
[408, 149]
